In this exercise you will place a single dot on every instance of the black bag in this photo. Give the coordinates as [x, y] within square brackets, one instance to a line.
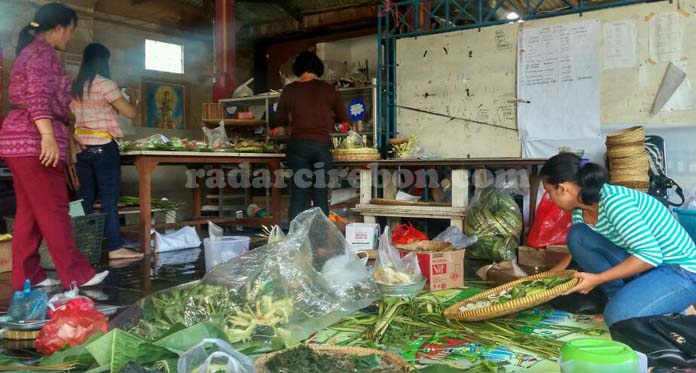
[669, 341]
[659, 182]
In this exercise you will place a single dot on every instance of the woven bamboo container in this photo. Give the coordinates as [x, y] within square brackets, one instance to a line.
[260, 363]
[639, 161]
[626, 136]
[626, 151]
[641, 186]
[19, 335]
[360, 154]
[512, 306]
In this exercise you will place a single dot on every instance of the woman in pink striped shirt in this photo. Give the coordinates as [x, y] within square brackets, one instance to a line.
[34, 143]
[97, 101]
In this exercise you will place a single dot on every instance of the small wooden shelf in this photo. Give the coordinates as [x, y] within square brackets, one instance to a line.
[235, 122]
[426, 212]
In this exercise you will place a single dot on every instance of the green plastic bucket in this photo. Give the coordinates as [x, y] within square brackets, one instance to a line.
[596, 355]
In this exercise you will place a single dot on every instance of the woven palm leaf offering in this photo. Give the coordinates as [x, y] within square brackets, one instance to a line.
[353, 148]
[513, 297]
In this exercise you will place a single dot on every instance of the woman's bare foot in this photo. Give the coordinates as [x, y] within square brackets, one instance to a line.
[598, 318]
[125, 254]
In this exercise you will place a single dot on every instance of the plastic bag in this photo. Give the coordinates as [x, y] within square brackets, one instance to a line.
[405, 234]
[550, 226]
[28, 304]
[72, 326]
[275, 293]
[456, 237]
[59, 301]
[352, 141]
[215, 232]
[217, 137]
[184, 238]
[495, 219]
[393, 269]
[214, 355]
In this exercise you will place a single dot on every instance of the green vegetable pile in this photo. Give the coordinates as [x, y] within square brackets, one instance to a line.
[251, 314]
[306, 360]
[131, 201]
[496, 221]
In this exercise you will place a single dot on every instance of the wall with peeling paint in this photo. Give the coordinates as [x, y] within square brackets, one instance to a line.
[474, 79]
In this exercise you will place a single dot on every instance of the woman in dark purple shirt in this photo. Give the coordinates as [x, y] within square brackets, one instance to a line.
[34, 141]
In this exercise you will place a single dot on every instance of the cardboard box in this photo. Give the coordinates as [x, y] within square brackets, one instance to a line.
[442, 270]
[6, 256]
[362, 236]
[542, 258]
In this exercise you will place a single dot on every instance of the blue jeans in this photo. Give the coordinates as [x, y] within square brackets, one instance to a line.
[314, 159]
[663, 289]
[99, 171]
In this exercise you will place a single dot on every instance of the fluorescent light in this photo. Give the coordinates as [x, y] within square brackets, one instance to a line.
[512, 15]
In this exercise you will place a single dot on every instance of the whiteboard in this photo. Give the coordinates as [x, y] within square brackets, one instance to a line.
[476, 80]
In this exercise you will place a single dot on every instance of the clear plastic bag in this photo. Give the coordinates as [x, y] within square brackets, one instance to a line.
[273, 293]
[217, 137]
[352, 141]
[28, 304]
[58, 301]
[393, 269]
[456, 237]
[214, 355]
[215, 232]
[495, 219]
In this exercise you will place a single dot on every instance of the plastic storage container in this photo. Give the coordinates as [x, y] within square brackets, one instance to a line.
[687, 218]
[595, 355]
[224, 250]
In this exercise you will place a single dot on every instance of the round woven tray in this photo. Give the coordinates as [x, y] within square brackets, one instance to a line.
[260, 363]
[630, 178]
[20, 335]
[641, 161]
[641, 186]
[425, 246]
[396, 142]
[512, 306]
[636, 174]
[364, 154]
[626, 136]
[625, 151]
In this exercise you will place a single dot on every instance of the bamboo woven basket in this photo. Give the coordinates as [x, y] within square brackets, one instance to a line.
[426, 246]
[394, 202]
[626, 136]
[641, 161]
[512, 306]
[630, 179]
[626, 151]
[260, 363]
[19, 335]
[362, 154]
[641, 186]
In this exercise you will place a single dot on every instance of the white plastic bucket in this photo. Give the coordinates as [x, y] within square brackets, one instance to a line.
[224, 250]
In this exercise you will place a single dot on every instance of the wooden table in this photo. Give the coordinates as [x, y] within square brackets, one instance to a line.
[146, 161]
[460, 186]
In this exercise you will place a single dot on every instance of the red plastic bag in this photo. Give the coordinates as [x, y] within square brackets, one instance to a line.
[550, 226]
[406, 233]
[71, 325]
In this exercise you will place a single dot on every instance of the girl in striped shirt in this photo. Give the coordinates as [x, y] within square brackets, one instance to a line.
[627, 242]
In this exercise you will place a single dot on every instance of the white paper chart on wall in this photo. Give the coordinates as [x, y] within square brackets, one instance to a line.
[558, 64]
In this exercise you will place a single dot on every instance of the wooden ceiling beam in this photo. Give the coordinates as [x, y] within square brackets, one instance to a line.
[167, 13]
[345, 18]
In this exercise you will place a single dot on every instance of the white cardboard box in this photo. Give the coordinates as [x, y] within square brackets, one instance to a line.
[362, 236]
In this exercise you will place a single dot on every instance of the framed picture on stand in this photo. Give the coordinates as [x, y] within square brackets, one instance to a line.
[165, 104]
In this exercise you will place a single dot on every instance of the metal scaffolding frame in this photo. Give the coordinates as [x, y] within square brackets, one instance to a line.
[411, 18]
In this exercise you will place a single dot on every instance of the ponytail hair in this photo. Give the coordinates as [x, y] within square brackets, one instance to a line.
[47, 17]
[569, 168]
[95, 60]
